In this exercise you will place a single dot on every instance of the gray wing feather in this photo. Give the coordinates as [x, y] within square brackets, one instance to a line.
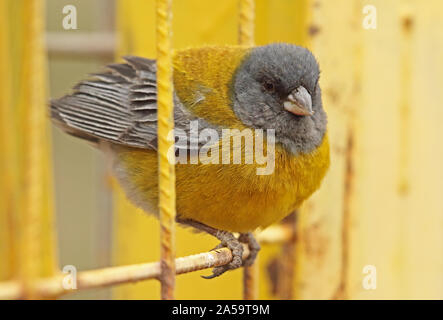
[120, 105]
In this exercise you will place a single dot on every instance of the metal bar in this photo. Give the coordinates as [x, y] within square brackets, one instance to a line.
[81, 45]
[53, 287]
[37, 240]
[11, 290]
[250, 281]
[246, 37]
[275, 234]
[285, 282]
[165, 126]
[246, 22]
[8, 150]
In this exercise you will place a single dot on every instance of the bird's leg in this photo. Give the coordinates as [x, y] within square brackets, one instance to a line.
[253, 245]
[227, 240]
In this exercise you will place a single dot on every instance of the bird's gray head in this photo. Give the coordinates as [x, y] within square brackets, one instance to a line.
[276, 87]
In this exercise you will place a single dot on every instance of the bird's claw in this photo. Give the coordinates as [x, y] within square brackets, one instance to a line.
[228, 241]
[235, 245]
[253, 245]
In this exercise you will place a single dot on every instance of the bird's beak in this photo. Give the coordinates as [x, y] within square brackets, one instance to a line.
[299, 102]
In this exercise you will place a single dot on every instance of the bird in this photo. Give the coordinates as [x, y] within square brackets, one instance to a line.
[271, 91]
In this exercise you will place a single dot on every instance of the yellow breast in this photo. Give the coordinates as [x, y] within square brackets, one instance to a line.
[229, 197]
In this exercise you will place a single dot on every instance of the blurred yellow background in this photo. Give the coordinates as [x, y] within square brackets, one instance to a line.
[381, 203]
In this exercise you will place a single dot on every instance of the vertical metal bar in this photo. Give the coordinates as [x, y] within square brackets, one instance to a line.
[246, 37]
[8, 160]
[166, 169]
[250, 281]
[37, 242]
[246, 22]
[282, 268]
[285, 289]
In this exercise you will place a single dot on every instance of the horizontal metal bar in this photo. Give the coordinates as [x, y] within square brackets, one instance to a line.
[53, 287]
[10, 290]
[86, 45]
[276, 234]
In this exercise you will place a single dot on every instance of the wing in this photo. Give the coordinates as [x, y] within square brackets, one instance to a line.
[120, 105]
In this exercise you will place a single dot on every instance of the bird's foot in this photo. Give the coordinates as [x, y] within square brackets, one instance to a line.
[228, 241]
[253, 245]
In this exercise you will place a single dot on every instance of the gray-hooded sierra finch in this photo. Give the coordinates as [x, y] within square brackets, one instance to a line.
[218, 87]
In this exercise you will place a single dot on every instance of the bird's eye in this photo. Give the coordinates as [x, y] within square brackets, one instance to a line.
[268, 86]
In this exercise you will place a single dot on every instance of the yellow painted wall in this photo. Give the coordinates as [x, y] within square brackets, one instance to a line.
[381, 92]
